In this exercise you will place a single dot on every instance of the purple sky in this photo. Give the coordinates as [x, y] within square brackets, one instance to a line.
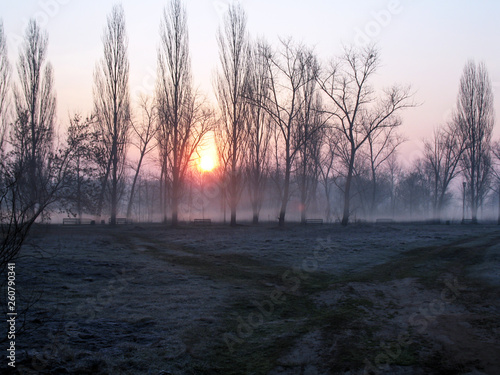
[423, 43]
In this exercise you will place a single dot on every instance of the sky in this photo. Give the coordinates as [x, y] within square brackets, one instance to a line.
[423, 43]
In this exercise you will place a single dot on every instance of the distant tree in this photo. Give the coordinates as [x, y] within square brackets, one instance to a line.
[414, 192]
[221, 171]
[144, 133]
[496, 154]
[183, 119]
[31, 172]
[328, 173]
[288, 72]
[35, 102]
[162, 141]
[475, 118]
[394, 172]
[4, 87]
[112, 102]
[309, 135]
[258, 129]
[357, 113]
[361, 187]
[230, 90]
[81, 189]
[380, 145]
[442, 156]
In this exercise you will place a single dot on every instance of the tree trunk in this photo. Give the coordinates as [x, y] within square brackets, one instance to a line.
[498, 222]
[439, 207]
[303, 194]
[78, 190]
[175, 215]
[132, 190]
[32, 180]
[114, 183]
[256, 194]
[284, 200]
[175, 200]
[256, 202]
[161, 187]
[103, 190]
[255, 219]
[286, 186]
[473, 195]
[233, 213]
[374, 193]
[347, 191]
[233, 204]
[165, 197]
[224, 204]
[233, 191]
[233, 199]
[328, 203]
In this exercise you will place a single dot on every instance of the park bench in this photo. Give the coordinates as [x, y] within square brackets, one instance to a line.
[202, 221]
[75, 221]
[314, 221]
[384, 221]
[70, 221]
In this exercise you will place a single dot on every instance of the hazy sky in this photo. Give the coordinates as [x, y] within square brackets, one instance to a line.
[424, 43]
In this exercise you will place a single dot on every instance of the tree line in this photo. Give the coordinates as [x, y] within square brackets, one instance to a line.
[286, 127]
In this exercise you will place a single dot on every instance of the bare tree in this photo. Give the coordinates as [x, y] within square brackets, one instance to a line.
[162, 138]
[223, 154]
[327, 170]
[31, 173]
[496, 154]
[288, 74]
[80, 192]
[4, 87]
[230, 89]
[394, 171]
[258, 128]
[35, 101]
[145, 133]
[309, 133]
[380, 146]
[358, 114]
[442, 156]
[112, 101]
[475, 117]
[414, 192]
[183, 118]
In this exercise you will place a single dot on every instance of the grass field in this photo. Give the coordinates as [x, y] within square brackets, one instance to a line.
[323, 299]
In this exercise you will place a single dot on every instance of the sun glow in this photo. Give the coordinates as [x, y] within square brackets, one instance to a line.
[206, 163]
[206, 155]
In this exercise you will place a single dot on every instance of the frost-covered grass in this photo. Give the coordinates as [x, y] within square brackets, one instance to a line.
[323, 299]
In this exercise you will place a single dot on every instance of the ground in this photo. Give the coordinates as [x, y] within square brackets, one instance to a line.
[317, 299]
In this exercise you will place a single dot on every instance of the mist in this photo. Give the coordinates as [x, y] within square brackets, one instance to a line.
[272, 222]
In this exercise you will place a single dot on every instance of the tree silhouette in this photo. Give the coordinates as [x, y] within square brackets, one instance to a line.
[230, 89]
[475, 119]
[112, 102]
[357, 113]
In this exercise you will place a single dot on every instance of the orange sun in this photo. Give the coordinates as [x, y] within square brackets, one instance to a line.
[206, 163]
[206, 153]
